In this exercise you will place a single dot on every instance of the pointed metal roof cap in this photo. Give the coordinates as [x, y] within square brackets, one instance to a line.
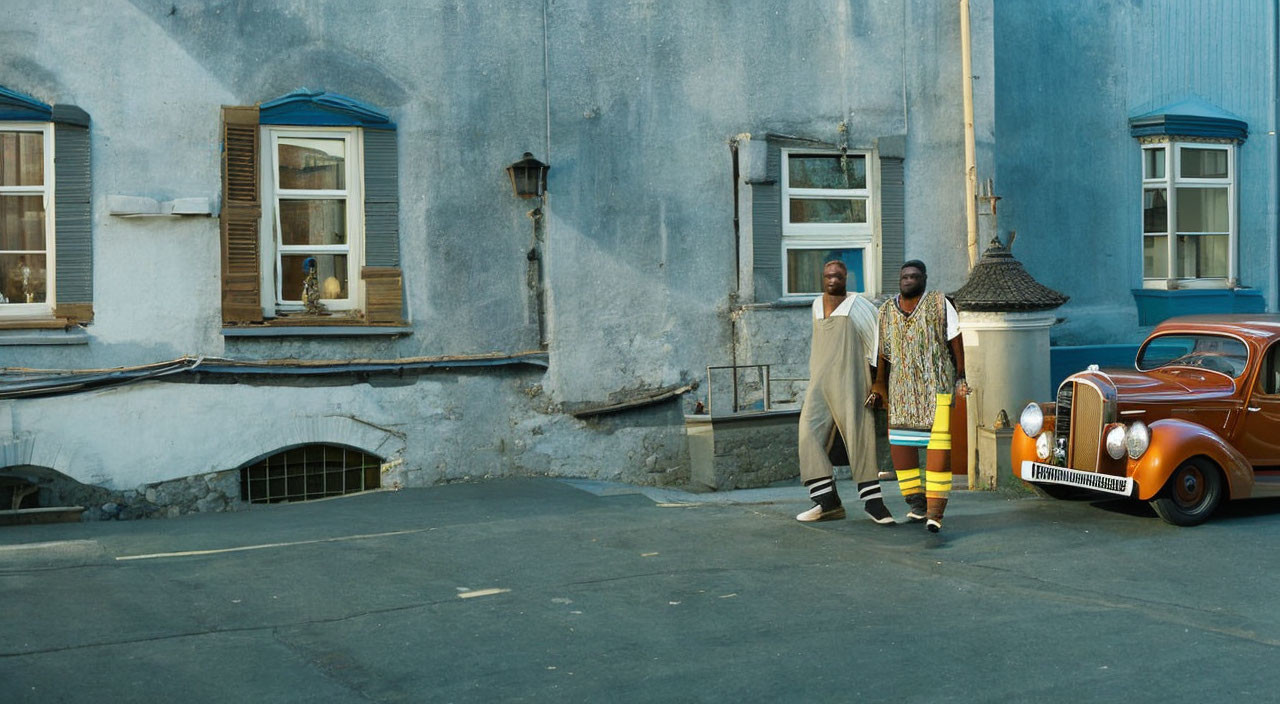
[998, 283]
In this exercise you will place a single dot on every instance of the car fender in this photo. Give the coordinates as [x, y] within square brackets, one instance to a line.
[1174, 441]
[1022, 447]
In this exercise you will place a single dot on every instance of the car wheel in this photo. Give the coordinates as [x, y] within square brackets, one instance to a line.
[1191, 494]
[1058, 491]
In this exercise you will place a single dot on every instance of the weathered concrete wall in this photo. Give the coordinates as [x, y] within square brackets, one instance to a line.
[632, 104]
[1068, 77]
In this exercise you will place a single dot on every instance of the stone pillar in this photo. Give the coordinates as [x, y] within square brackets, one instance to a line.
[1007, 364]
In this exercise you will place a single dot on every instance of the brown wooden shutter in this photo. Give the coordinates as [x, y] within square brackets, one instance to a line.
[383, 287]
[241, 212]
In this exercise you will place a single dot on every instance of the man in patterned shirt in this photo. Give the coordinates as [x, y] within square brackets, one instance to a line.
[921, 369]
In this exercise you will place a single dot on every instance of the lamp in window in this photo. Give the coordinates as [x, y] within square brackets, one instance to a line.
[528, 177]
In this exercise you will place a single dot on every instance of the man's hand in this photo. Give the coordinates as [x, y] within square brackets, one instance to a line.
[962, 388]
[876, 398]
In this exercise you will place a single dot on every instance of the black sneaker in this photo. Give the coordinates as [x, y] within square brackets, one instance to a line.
[878, 512]
[919, 508]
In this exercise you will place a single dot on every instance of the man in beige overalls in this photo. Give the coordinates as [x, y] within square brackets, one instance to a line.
[843, 347]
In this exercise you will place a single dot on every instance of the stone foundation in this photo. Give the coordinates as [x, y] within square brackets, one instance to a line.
[201, 493]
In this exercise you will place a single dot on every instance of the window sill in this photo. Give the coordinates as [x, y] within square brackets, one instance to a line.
[30, 335]
[305, 330]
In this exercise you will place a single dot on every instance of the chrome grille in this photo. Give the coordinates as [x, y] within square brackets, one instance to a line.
[1062, 422]
[1088, 410]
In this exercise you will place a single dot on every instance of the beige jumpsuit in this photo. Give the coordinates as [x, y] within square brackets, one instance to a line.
[837, 389]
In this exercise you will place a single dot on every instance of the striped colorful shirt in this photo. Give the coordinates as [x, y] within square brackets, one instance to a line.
[919, 354]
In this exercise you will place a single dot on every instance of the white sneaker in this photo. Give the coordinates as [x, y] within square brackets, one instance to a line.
[817, 514]
[934, 525]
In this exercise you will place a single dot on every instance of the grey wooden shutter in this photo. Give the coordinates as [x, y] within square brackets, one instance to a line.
[241, 211]
[384, 284]
[73, 194]
[892, 222]
[766, 228]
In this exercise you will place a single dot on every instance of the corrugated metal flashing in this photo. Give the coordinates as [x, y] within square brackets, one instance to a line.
[1191, 118]
[317, 107]
[20, 106]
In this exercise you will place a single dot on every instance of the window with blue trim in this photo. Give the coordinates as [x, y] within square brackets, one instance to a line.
[310, 226]
[45, 250]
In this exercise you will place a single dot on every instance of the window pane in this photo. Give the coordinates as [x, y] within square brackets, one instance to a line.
[1155, 210]
[804, 269]
[22, 223]
[1202, 210]
[21, 159]
[827, 171]
[1202, 256]
[331, 275]
[1155, 257]
[1204, 163]
[312, 164]
[313, 221]
[828, 210]
[22, 278]
[1153, 163]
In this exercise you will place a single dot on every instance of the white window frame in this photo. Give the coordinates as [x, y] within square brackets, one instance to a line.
[37, 310]
[861, 235]
[273, 301]
[1170, 183]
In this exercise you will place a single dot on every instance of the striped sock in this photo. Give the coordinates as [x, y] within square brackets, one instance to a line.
[937, 485]
[823, 492]
[909, 481]
[869, 490]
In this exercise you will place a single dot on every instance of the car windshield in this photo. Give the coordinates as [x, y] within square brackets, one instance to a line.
[1213, 352]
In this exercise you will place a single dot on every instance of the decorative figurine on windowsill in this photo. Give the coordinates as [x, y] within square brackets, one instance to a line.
[27, 291]
[311, 288]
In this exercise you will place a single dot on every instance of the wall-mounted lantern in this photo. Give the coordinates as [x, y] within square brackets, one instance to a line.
[528, 177]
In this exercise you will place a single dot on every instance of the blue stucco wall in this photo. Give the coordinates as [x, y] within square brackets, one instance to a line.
[1069, 75]
[632, 103]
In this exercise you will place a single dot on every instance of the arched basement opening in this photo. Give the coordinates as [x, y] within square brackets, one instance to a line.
[309, 472]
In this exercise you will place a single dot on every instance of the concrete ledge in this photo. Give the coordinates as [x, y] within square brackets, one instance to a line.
[318, 331]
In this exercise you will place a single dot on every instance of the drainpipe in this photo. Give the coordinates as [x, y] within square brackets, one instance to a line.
[970, 167]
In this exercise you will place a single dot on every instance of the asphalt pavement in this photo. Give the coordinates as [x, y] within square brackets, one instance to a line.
[546, 590]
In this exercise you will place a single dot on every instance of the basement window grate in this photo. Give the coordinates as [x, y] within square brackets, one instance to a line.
[309, 472]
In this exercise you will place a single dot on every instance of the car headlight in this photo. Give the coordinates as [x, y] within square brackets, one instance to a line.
[1044, 446]
[1137, 439]
[1116, 441]
[1032, 420]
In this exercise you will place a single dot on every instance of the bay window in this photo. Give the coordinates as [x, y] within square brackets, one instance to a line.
[1188, 214]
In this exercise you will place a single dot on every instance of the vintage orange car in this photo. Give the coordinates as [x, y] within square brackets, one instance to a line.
[1195, 422]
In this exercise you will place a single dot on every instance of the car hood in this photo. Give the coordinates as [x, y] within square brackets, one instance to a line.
[1162, 385]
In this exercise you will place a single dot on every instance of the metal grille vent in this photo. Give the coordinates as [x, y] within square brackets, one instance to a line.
[309, 472]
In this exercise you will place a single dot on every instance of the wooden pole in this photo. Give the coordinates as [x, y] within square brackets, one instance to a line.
[970, 167]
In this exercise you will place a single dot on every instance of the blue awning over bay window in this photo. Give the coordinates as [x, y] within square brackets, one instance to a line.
[1189, 118]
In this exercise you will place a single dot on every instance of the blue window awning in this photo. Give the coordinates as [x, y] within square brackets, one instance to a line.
[315, 107]
[1190, 118]
[19, 106]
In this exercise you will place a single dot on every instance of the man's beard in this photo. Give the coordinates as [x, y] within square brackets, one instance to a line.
[912, 292]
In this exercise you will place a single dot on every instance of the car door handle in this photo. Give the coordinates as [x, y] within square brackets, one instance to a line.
[1254, 409]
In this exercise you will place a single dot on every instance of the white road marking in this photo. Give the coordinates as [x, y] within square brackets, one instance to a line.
[482, 592]
[264, 546]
